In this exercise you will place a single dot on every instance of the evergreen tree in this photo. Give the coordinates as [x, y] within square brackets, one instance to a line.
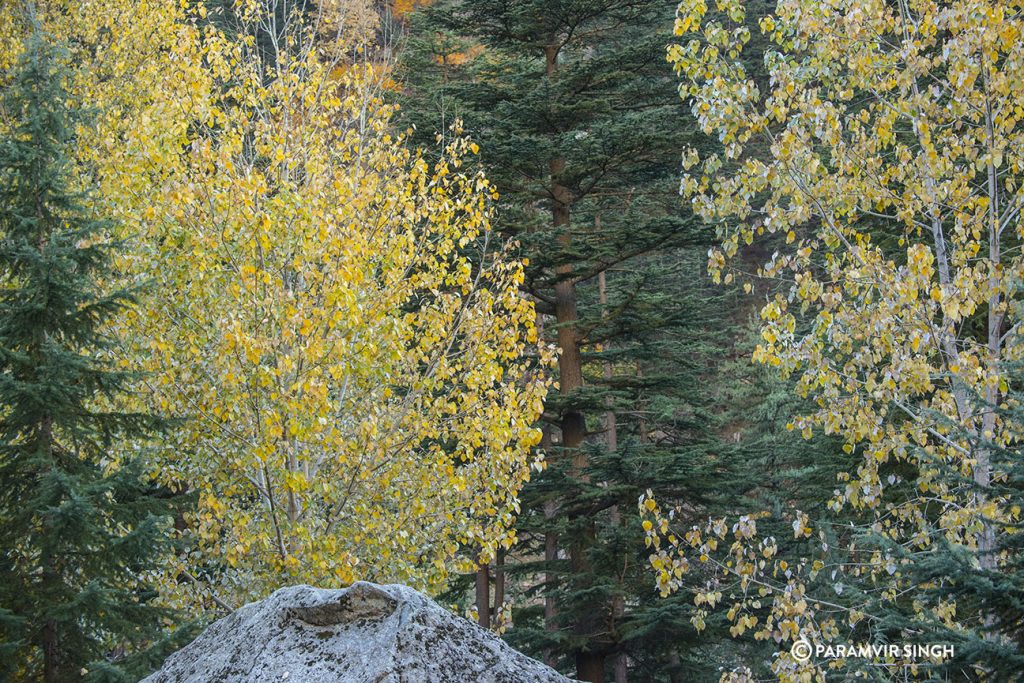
[778, 472]
[79, 525]
[578, 120]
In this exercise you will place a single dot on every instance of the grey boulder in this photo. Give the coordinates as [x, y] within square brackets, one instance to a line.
[362, 634]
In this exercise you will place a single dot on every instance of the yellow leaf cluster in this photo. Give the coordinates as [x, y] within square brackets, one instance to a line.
[328, 310]
[881, 162]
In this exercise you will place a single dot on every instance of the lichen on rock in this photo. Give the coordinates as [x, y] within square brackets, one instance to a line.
[366, 633]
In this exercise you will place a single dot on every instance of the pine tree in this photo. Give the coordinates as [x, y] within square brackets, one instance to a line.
[576, 115]
[79, 523]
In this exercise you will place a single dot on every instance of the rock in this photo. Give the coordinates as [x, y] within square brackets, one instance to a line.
[362, 634]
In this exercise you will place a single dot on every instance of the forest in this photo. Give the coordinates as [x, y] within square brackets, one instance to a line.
[670, 341]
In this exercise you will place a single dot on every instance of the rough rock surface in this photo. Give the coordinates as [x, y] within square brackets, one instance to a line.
[362, 634]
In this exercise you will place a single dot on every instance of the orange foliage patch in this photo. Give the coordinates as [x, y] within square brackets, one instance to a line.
[400, 8]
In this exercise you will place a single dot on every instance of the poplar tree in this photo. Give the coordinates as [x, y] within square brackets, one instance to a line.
[79, 523]
[901, 308]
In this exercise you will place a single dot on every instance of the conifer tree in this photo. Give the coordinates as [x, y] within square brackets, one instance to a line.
[79, 523]
[573, 107]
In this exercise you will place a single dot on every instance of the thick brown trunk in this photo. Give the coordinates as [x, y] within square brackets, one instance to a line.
[570, 362]
[590, 667]
[483, 595]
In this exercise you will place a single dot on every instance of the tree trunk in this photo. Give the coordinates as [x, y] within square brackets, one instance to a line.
[983, 467]
[499, 580]
[589, 665]
[675, 676]
[49, 638]
[612, 441]
[483, 595]
[610, 428]
[550, 556]
[622, 668]
[51, 653]
[570, 362]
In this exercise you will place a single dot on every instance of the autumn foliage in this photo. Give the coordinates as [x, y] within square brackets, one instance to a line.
[329, 315]
[878, 157]
[285, 333]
